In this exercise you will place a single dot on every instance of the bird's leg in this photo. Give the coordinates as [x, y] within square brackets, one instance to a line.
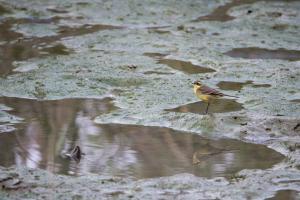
[207, 108]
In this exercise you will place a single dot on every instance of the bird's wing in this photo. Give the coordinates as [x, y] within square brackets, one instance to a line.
[209, 91]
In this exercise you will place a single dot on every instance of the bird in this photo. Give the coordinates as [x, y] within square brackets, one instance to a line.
[207, 94]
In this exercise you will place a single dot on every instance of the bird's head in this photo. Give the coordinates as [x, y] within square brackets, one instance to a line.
[197, 84]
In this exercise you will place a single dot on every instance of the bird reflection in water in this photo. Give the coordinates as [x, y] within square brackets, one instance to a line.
[207, 151]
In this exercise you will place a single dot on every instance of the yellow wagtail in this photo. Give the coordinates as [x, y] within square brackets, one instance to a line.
[206, 93]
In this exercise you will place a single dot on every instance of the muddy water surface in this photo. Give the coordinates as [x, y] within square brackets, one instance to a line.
[237, 86]
[52, 128]
[18, 47]
[285, 195]
[186, 67]
[261, 53]
[230, 85]
[220, 13]
[217, 106]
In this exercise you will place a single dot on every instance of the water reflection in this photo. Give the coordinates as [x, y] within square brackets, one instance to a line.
[216, 106]
[52, 128]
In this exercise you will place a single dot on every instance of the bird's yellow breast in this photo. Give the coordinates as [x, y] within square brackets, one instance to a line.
[203, 97]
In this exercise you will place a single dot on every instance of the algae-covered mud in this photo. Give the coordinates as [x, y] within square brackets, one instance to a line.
[115, 78]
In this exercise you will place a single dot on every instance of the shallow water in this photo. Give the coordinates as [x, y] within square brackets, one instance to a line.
[186, 67]
[217, 106]
[260, 53]
[220, 13]
[53, 128]
[230, 85]
[285, 195]
[154, 55]
[238, 86]
[295, 101]
[18, 47]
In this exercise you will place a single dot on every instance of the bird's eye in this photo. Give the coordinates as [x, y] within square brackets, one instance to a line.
[197, 83]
